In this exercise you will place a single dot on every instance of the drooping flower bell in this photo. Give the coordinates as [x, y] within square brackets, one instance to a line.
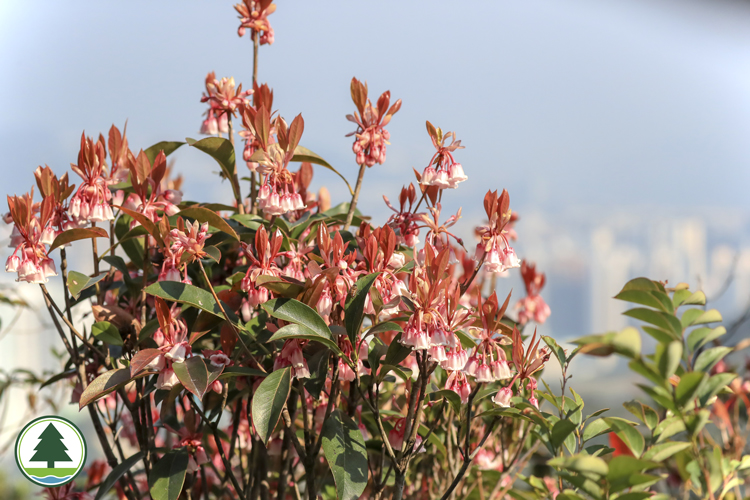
[30, 259]
[443, 171]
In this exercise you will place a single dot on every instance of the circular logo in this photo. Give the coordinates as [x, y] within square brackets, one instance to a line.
[50, 451]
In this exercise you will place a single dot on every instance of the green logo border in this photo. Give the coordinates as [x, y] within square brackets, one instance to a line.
[23, 431]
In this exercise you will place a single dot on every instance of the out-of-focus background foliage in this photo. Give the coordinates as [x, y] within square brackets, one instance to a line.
[619, 128]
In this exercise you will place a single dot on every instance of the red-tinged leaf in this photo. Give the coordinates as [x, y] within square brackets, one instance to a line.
[77, 234]
[263, 126]
[142, 359]
[383, 102]
[202, 214]
[141, 168]
[228, 339]
[104, 384]
[295, 132]
[160, 167]
[144, 221]
[193, 374]
[163, 314]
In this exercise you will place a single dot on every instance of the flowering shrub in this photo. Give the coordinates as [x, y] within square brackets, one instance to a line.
[280, 347]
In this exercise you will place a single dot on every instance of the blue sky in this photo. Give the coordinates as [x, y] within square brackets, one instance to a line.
[575, 103]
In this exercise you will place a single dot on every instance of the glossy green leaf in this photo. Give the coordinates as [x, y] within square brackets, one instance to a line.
[651, 298]
[558, 351]
[628, 433]
[282, 286]
[168, 147]
[703, 335]
[386, 326]
[595, 428]
[76, 234]
[268, 401]
[581, 463]
[708, 358]
[78, 282]
[176, 291]
[295, 311]
[345, 451]
[689, 385]
[662, 451]
[623, 466]
[193, 374]
[560, 431]
[658, 318]
[714, 385]
[297, 331]
[222, 151]
[117, 473]
[670, 358]
[202, 215]
[355, 305]
[168, 475]
[627, 342]
[106, 332]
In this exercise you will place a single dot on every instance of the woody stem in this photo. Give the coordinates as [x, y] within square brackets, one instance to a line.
[355, 197]
[235, 179]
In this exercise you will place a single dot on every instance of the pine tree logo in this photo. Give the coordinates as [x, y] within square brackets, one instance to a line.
[50, 451]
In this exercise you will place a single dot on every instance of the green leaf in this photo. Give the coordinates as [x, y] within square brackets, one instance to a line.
[176, 291]
[714, 385]
[708, 358]
[296, 331]
[386, 326]
[117, 473]
[168, 147]
[250, 221]
[106, 332]
[345, 451]
[628, 342]
[560, 431]
[193, 374]
[689, 385]
[623, 466]
[240, 371]
[451, 396]
[354, 309]
[558, 351]
[668, 428]
[222, 151]
[76, 234]
[295, 311]
[662, 451]
[284, 286]
[305, 155]
[703, 335]
[670, 357]
[78, 282]
[628, 433]
[692, 317]
[658, 318]
[642, 284]
[202, 214]
[168, 475]
[651, 298]
[696, 299]
[397, 352]
[213, 253]
[581, 463]
[595, 428]
[647, 370]
[268, 401]
[644, 413]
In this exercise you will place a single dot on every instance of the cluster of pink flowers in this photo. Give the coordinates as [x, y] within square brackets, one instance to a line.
[184, 244]
[30, 259]
[532, 307]
[90, 203]
[494, 249]
[405, 221]
[224, 99]
[371, 135]
[254, 16]
[443, 171]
